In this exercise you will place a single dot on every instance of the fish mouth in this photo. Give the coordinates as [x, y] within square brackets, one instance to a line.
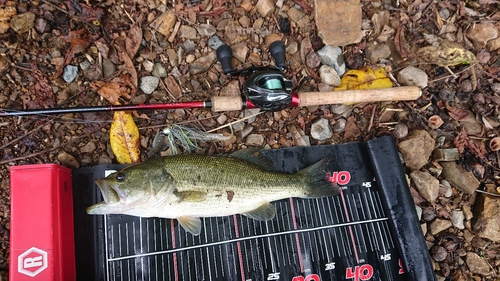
[109, 195]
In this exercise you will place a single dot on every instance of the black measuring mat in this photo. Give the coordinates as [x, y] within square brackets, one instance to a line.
[360, 234]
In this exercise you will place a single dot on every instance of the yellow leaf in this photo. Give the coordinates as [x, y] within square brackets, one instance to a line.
[124, 138]
[365, 78]
[446, 54]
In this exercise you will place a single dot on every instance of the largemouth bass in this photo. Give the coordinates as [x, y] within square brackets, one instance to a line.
[189, 186]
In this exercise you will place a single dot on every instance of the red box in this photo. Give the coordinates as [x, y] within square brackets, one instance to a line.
[41, 228]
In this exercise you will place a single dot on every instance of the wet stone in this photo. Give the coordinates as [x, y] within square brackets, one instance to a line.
[426, 184]
[459, 177]
[70, 73]
[149, 84]
[23, 22]
[412, 76]
[416, 149]
[439, 225]
[321, 130]
[255, 140]
[332, 56]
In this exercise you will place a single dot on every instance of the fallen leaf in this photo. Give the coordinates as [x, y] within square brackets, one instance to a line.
[112, 91]
[457, 113]
[365, 78]
[79, 41]
[124, 138]
[133, 40]
[446, 54]
[462, 141]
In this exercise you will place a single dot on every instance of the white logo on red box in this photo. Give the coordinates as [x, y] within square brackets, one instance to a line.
[32, 262]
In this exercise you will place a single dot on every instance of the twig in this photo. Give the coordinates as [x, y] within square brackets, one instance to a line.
[25, 135]
[234, 122]
[29, 156]
[449, 76]
[371, 118]
[67, 13]
[489, 193]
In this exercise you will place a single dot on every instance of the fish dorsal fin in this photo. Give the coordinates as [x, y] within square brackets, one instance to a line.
[191, 195]
[190, 224]
[254, 156]
[264, 212]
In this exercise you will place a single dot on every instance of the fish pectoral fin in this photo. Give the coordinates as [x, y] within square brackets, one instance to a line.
[190, 224]
[191, 195]
[264, 212]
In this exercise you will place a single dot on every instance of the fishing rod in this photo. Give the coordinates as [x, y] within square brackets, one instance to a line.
[266, 88]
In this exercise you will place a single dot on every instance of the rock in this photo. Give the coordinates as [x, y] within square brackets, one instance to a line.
[246, 131]
[104, 159]
[321, 130]
[416, 149]
[419, 212]
[265, 7]
[165, 22]
[459, 177]
[148, 66]
[494, 44]
[172, 57]
[446, 154]
[298, 136]
[439, 225]
[412, 76]
[298, 17]
[457, 219]
[232, 89]
[292, 47]
[486, 212]
[240, 51]
[238, 126]
[93, 72]
[41, 25]
[376, 51]
[23, 22]
[471, 126]
[482, 32]
[206, 30]
[329, 76]
[89, 147]
[313, 60]
[255, 140]
[222, 119]
[339, 126]
[334, 27]
[202, 64]
[478, 265]
[400, 131]
[188, 46]
[68, 160]
[159, 71]
[439, 253]
[84, 65]
[187, 32]
[332, 56]
[426, 184]
[70, 72]
[250, 112]
[149, 84]
[108, 68]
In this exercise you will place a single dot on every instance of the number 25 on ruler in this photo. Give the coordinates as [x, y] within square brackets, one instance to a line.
[364, 272]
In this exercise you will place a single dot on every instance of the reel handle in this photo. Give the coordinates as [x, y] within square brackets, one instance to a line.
[230, 103]
[277, 50]
[225, 55]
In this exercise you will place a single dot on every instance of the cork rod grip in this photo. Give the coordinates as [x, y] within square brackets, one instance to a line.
[355, 96]
[226, 103]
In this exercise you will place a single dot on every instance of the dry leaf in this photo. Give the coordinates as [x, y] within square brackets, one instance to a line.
[41, 91]
[133, 40]
[112, 91]
[446, 54]
[124, 138]
[457, 113]
[365, 78]
[79, 41]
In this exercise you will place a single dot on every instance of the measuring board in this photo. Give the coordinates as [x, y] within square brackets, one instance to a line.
[369, 231]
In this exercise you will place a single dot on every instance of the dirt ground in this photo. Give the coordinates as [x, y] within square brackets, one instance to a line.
[459, 107]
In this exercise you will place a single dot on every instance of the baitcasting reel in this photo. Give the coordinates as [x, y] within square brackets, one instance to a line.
[266, 87]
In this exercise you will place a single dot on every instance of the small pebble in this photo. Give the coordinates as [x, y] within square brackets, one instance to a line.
[188, 46]
[149, 84]
[412, 76]
[400, 131]
[148, 65]
[245, 132]
[321, 130]
[265, 7]
[255, 140]
[339, 126]
[222, 119]
[159, 70]
[84, 65]
[332, 56]
[329, 76]
[70, 72]
[313, 60]
[438, 253]
[444, 13]
[457, 219]
[215, 42]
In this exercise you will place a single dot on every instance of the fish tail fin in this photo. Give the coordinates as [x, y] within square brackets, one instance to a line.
[317, 182]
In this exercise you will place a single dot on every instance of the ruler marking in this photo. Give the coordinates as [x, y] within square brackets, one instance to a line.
[349, 227]
[172, 227]
[367, 215]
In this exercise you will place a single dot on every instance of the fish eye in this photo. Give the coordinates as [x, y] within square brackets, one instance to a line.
[120, 177]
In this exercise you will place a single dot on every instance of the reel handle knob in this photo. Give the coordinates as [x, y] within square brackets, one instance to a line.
[225, 55]
[277, 50]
